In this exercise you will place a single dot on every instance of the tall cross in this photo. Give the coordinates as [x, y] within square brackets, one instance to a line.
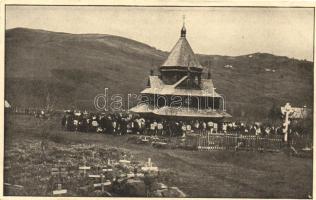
[288, 110]
[183, 17]
[84, 168]
[60, 172]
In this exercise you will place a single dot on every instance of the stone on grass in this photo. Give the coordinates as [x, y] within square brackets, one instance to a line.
[173, 192]
[134, 188]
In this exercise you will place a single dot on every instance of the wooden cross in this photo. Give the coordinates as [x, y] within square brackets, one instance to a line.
[107, 170]
[95, 175]
[124, 161]
[59, 190]
[15, 186]
[101, 176]
[101, 184]
[84, 168]
[111, 162]
[93, 154]
[60, 172]
[288, 110]
[149, 166]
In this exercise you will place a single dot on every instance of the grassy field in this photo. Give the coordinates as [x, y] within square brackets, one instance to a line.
[199, 174]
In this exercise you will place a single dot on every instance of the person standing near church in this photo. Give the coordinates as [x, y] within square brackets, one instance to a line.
[184, 129]
[160, 128]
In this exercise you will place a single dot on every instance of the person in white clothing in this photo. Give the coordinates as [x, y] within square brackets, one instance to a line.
[184, 129]
[188, 129]
[224, 128]
[160, 128]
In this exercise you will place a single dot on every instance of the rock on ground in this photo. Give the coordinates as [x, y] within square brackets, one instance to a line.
[134, 188]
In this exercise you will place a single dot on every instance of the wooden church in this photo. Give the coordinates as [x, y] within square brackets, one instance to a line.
[179, 91]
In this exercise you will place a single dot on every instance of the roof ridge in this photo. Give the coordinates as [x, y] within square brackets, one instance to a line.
[180, 54]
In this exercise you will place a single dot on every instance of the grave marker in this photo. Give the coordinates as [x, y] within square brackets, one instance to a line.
[94, 176]
[84, 188]
[124, 161]
[150, 169]
[16, 186]
[7, 167]
[93, 154]
[84, 168]
[107, 170]
[288, 109]
[60, 172]
[106, 183]
[102, 184]
[145, 139]
[59, 190]
[149, 166]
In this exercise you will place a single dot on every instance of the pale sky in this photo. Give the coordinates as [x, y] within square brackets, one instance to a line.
[210, 30]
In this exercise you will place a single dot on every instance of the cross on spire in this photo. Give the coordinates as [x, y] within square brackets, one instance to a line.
[183, 30]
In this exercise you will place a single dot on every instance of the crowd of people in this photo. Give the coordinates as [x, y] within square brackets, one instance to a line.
[127, 123]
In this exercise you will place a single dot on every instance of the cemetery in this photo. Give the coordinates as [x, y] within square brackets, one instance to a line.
[97, 172]
[60, 163]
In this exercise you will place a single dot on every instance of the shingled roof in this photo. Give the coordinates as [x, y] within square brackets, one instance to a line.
[182, 55]
[158, 87]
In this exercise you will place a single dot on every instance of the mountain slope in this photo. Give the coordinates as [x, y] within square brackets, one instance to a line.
[73, 68]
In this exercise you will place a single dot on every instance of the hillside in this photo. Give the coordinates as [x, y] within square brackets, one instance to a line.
[73, 68]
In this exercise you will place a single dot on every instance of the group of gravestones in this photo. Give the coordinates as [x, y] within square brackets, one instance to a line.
[117, 178]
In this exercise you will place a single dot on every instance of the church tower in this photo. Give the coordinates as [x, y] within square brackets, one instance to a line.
[181, 62]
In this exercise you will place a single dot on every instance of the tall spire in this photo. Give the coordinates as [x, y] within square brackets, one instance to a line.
[178, 57]
[183, 30]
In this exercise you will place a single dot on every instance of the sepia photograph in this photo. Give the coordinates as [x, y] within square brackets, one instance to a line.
[169, 101]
